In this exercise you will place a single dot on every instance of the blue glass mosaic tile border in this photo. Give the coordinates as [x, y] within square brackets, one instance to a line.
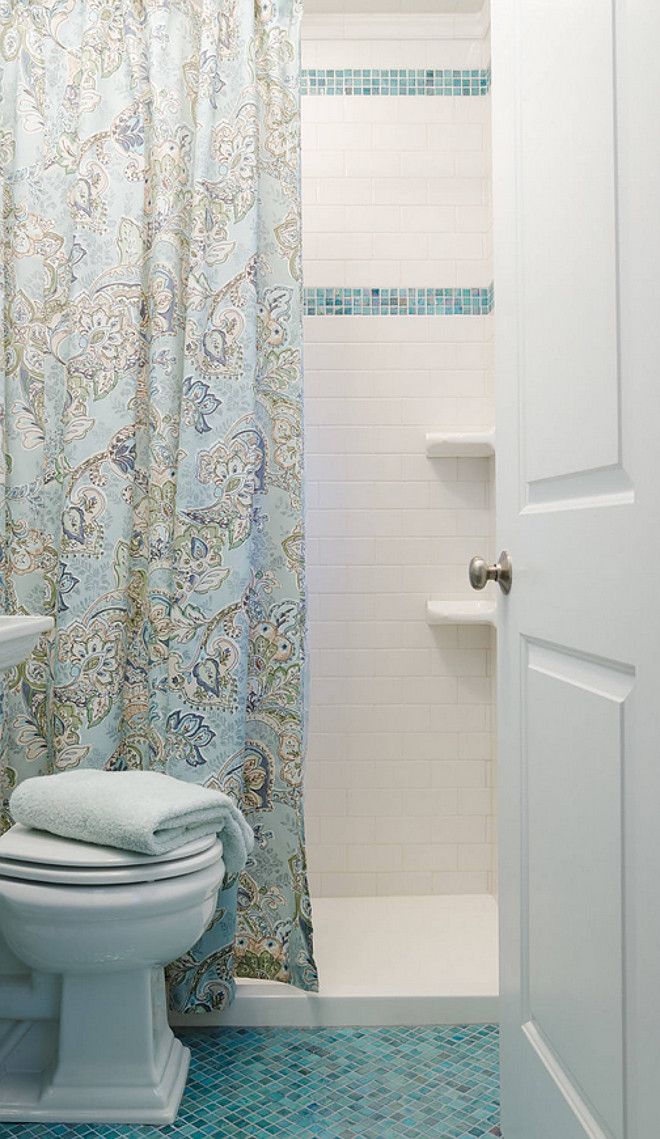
[325, 1083]
[398, 302]
[404, 81]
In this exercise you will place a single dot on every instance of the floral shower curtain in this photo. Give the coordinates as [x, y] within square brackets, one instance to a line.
[152, 475]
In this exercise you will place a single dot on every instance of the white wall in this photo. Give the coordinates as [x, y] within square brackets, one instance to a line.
[396, 193]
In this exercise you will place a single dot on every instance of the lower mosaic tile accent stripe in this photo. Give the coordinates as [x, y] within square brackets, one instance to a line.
[325, 1083]
[405, 81]
[398, 302]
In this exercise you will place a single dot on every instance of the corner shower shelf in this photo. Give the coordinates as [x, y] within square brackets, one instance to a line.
[460, 444]
[466, 612]
[18, 636]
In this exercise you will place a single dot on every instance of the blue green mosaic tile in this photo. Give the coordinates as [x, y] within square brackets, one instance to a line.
[403, 81]
[398, 302]
[326, 1083]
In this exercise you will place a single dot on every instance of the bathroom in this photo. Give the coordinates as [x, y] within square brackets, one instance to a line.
[479, 236]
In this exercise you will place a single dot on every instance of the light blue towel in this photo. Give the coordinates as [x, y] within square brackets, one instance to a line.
[132, 810]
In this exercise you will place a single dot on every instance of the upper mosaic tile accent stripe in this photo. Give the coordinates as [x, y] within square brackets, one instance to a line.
[398, 302]
[381, 81]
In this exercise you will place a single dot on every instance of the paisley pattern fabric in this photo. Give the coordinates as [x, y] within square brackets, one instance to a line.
[151, 419]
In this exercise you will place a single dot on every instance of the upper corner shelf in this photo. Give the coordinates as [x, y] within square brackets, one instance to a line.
[460, 444]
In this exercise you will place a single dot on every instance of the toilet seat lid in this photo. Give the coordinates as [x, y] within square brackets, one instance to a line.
[24, 844]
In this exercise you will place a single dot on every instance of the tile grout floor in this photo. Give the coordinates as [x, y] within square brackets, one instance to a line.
[429, 1082]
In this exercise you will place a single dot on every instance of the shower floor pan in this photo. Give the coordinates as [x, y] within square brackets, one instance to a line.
[386, 961]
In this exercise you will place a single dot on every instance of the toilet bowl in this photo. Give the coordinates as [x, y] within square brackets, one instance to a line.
[84, 934]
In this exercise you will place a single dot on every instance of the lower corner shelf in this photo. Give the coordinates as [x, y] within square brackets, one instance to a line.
[468, 612]
[460, 444]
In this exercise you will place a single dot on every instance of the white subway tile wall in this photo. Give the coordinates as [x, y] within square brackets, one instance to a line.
[397, 192]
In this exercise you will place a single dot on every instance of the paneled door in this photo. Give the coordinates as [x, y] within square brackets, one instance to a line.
[577, 282]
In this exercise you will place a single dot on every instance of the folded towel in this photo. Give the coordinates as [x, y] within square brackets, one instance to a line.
[132, 810]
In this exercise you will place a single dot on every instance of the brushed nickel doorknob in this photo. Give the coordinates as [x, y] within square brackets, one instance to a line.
[502, 572]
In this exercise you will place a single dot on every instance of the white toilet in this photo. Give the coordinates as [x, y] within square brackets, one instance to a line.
[84, 934]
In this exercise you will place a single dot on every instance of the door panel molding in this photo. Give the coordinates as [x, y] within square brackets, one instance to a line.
[605, 486]
[612, 679]
[572, 736]
[585, 1113]
[566, 170]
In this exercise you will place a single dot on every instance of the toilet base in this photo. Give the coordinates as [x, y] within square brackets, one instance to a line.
[84, 1036]
[28, 1052]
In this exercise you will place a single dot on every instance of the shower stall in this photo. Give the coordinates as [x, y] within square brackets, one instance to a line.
[398, 277]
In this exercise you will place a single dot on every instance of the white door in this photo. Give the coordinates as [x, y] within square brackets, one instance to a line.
[576, 106]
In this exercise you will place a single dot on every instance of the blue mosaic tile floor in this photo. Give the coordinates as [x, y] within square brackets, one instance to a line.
[326, 1083]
